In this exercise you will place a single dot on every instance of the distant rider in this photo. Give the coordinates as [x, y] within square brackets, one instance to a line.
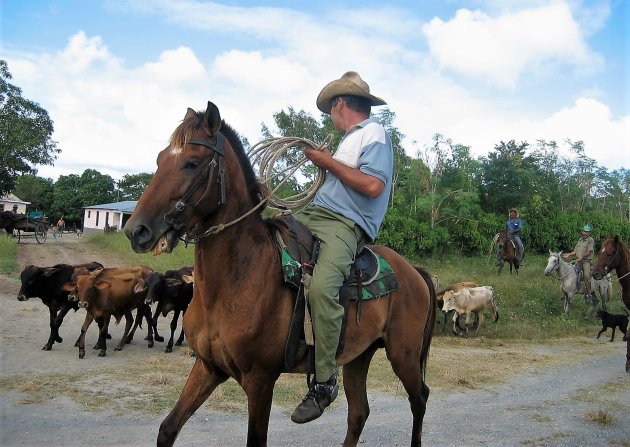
[514, 227]
[584, 252]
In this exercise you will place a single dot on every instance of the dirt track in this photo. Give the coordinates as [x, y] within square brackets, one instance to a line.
[548, 407]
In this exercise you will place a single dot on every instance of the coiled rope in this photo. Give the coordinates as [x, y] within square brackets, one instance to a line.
[266, 153]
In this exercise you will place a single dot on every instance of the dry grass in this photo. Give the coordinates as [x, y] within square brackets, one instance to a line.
[554, 439]
[600, 417]
[151, 383]
[604, 394]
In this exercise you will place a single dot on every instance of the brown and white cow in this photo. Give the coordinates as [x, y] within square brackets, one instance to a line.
[110, 292]
[455, 287]
[469, 300]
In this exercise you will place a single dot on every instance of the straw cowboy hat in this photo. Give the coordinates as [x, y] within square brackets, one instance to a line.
[349, 84]
[513, 209]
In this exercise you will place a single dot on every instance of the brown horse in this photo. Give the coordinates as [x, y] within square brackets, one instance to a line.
[615, 255]
[507, 252]
[238, 320]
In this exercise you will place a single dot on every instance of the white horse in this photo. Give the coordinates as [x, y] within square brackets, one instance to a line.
[568, 283]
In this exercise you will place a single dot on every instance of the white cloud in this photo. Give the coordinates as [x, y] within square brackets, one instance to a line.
[501, 49]
[114, 117]
[606, 139]
[176, 66]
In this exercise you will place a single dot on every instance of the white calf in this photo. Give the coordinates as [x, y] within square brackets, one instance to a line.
[466, 301]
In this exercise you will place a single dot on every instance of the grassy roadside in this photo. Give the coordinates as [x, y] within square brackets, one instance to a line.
[531, 315]
[530, 304]
[8, 258]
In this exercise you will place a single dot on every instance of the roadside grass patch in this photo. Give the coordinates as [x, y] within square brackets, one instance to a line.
[119, 244]
[547, 440]
[8, 254]
[600, 417]
[542, 418]
[604, 393]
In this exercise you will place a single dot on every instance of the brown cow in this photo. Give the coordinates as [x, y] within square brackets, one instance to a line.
[106, 293]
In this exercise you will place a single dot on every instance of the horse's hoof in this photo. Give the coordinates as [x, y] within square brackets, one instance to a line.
[117, 348]
[150, 344]
[159, 338]
[102, 354]
[129, 340]
[168, 349]
[178, 343]
[58, 339]
[81, 355]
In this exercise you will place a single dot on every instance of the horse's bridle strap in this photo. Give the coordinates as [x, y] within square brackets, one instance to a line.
[208, 173]
[218, 147]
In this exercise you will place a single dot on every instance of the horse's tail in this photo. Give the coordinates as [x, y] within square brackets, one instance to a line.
[428, 329]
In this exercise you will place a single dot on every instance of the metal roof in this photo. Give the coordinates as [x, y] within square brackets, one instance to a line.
[12, 198]
[124, 207]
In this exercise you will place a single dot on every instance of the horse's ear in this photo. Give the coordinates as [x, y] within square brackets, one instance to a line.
[190, 112]
[213, 118]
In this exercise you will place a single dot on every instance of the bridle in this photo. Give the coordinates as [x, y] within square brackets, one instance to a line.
[618, 249]
[556, 269]
[206, 175]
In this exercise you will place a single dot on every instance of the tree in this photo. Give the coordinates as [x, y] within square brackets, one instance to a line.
[66, 200]
[505, 172]
[37, 190]
[131, 186]
[95, 188]
[25, 134]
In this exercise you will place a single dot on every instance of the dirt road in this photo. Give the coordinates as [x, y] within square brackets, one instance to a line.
[583, 403]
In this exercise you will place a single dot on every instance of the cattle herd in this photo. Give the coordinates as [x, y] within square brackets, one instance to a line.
[116, 292]
[109, 292]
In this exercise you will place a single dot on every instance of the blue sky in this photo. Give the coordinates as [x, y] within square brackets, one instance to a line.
[117, 76]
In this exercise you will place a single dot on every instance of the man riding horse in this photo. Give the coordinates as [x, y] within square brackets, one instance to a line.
[345, 214]
[583, 252]
[514, 227]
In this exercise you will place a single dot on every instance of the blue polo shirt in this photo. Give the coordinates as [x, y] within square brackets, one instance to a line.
[368, 147]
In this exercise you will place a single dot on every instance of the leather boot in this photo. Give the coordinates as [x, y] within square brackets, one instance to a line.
[316, 400]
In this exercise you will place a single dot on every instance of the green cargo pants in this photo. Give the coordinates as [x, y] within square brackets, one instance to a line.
[340, 238]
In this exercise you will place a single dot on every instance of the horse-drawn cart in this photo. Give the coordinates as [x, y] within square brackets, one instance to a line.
[24, 225]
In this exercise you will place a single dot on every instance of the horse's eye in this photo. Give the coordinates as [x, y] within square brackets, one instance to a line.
[191, 164]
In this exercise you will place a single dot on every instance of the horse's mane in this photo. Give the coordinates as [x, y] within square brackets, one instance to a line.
[195, 123]
[624, 248]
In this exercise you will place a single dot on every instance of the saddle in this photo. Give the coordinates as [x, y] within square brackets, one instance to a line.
[370, 277]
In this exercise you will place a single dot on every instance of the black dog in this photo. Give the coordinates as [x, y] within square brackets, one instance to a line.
[613, 321]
